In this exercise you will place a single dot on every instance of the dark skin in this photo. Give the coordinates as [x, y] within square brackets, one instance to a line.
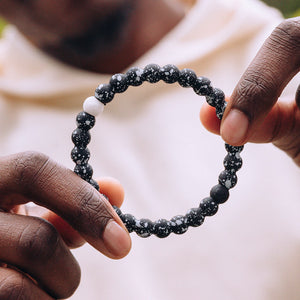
[35, 244]
[35, 257]
[257, 115]
[104, 36]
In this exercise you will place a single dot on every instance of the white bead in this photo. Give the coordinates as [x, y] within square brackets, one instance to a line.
[93, 106]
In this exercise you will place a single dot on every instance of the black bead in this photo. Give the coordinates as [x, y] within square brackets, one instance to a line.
[80, 155]
[169, 73]
[144, 227]
[134, 76]
[84, 171]
[104, 93]
[194, 217]
[118, 83]
[95, 184]
[233, 149]
[104, 196]
[129, 221]
[228, 179]
[216, 98]
[208, 206]
[162, 228]
[220, 109]
[81, 137]
[151, 73]
[187, 78]
[178, 225]
[233, 162]
[219, 193]
[117, 210]
[202, 86]
[85, 121]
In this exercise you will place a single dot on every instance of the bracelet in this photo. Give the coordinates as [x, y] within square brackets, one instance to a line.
[152, 73]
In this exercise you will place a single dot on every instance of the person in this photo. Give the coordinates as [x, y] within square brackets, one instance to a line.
[148, 139]
[253, 113]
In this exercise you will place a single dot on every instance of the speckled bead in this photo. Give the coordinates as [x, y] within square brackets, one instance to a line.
[202, 86]
[118, 83]
[228, 179]
[216, 98]
[233, 149]
[194, 217]
[152, 73]
[84, 171]
[178, 225]
[144, 227]
[80, 156]
[208, 206]
[85, 121]
[187, 78]
[169, 73]
[94, 183]
[162, 228]
[117, 210]
[104, 93]
[233, 162]
[104, 196]
[129, 221]
[134, 76]
[81, 137]
[219, 193]
[220, 109]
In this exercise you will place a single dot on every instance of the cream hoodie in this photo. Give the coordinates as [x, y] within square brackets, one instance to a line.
[150, 138]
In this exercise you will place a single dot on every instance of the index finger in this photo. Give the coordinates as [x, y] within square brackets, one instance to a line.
[39, 179]
[274, 66]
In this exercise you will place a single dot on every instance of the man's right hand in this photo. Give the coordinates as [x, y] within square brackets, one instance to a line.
[36, 262]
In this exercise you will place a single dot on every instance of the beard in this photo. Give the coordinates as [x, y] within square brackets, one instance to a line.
[100, 37]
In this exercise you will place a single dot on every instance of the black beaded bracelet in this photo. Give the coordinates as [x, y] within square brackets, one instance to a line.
[152, 73]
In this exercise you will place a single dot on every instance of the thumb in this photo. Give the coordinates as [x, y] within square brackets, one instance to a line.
[110, 187]
[259, 88]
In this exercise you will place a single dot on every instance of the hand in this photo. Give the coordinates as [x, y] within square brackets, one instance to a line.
[35, 260]
[253, 113]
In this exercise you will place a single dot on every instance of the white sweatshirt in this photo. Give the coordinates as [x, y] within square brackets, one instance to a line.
[150, 138]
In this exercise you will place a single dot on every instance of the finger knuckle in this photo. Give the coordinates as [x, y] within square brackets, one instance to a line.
[287, 34]
[14, 286]
[38, 241]
[251, 94]
[257, 85]
[92, 209]
[28, 165]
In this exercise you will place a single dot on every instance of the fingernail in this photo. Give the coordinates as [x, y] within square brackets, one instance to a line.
[234, 128]
[116, 239]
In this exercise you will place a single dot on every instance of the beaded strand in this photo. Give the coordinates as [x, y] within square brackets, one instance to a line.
[153, 73]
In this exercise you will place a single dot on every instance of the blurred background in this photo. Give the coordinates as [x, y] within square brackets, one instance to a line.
[289, 8]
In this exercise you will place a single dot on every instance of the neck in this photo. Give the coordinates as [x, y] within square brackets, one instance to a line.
[154, 20]
[144, 26]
